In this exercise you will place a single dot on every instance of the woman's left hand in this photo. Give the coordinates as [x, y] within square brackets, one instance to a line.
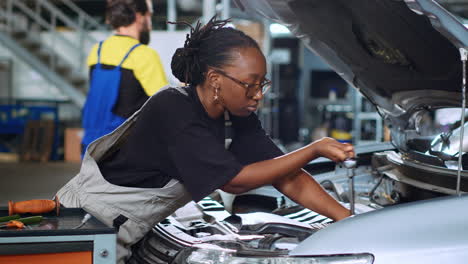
[332, 149]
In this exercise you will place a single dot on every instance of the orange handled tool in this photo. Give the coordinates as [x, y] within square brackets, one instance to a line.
[34, 206]
[13, 223]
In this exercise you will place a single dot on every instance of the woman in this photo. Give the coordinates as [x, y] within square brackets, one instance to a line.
[178, 147]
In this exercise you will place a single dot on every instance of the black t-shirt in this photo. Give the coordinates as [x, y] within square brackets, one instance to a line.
[175, 138]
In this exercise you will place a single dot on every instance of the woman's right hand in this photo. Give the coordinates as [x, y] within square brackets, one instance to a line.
[330, 148]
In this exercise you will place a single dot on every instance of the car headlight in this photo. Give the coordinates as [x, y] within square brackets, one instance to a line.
[211, 256]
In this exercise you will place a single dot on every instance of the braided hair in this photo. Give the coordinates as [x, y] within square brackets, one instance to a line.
[210, 45]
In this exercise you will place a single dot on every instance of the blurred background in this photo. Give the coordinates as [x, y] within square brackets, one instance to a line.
[44, 77]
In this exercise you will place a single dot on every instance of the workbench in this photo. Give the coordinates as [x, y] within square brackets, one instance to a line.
[54, 240]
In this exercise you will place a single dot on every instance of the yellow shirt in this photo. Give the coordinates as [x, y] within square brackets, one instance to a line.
[142, 72]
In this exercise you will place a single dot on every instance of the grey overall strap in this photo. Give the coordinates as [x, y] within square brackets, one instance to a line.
[228, 132]
[181, 90]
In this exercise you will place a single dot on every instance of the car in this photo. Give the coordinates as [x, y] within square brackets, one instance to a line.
[407, 58]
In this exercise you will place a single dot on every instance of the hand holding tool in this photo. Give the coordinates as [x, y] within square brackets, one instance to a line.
[13, 223]
[34, 206]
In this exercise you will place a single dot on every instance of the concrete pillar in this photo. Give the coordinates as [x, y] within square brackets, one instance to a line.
[171, 14]
[209, 10]
[226, 8]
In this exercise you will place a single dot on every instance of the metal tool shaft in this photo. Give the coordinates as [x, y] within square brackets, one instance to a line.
[464, 56]
[351, 193]
[350, 164]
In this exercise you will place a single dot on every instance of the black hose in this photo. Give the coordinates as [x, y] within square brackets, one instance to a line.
[379, 170]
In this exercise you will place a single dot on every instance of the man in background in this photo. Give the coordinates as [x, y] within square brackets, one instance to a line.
[124, 71]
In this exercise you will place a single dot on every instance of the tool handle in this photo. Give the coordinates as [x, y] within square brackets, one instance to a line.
[33, 206]
[350, 163]
[15, 223]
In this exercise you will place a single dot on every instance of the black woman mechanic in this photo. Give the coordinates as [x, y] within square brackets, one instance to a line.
[173, 149]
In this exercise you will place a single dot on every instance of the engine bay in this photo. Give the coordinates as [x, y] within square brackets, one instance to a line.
[265, 223]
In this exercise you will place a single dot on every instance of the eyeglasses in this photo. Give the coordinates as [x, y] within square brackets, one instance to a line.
[252, 89]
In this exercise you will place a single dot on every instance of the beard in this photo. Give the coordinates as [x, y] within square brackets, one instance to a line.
[145, 35]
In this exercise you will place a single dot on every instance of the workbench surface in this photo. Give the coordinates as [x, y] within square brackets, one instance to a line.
[62, 225]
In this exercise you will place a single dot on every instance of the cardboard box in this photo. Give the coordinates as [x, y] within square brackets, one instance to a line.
[9, 157]
[253, 29]
[72, 144]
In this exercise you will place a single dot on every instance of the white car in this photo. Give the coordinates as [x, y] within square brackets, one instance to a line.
[407, 58]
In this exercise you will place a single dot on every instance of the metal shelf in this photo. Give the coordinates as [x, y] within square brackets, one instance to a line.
[361, 117]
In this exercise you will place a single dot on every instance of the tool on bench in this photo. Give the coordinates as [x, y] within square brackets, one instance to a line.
[20, 222]
[8, 218]
[350, 164]
[13, 223]
[34, 206]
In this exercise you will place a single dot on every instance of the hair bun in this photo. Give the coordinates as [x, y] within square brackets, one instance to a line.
[178, 63]
[188, 52]
[184, 63]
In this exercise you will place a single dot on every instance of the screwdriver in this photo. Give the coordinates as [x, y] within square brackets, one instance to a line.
[34, 206]
[13, 223]
[8, 218]
[26, 220]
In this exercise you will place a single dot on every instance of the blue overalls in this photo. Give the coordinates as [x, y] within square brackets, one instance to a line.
[98, 119]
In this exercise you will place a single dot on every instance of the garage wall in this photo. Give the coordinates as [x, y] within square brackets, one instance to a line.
[28, 84]
[309, 62]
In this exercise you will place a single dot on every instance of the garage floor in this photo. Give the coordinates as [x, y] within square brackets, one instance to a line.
[33, 180]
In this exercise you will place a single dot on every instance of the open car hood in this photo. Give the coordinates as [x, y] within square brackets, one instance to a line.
[402, 55]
